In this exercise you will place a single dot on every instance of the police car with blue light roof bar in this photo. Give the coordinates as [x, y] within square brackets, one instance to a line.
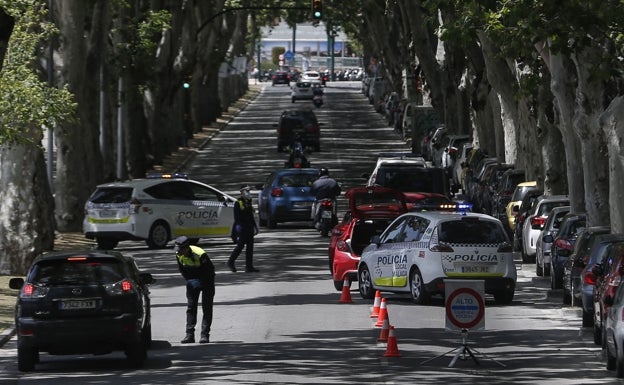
[419, 250]
[157, 209]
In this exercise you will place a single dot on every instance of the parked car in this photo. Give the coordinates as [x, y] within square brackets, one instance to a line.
[438, 133]
[534, 223]
[473, 182]
[82, 302]
[608, 277]
[459, 166]
[156, 209]
[503, 193]
[614, 333]
[298, 125]
[543, 248]
[391, 106]
[576, 262]
[489, 183]
[597, 254]
[418, 251]
[562, 246]
[513, 207]
[521, 211]
[371, 209]
[449, 153]
[280, 77]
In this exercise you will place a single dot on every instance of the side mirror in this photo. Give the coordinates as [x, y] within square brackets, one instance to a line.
[146, 278]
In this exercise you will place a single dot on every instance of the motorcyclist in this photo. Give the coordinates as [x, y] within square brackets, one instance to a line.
[324, 187]
[297, 152]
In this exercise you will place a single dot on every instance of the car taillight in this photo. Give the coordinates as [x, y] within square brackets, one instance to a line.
[564, 244]
[33, 291]
[342, 246]
[590, 278]
[312, 128]
[327, 204]
[277, 192]
[538, 222]
[119, 288]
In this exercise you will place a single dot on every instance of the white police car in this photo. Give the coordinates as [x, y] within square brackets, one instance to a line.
[157, 209]
[419, 250]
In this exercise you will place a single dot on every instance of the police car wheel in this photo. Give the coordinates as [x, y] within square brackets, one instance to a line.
[158, 235]
[417, 288]
[365, 281]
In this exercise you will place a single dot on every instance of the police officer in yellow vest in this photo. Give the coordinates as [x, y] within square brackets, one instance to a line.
[199, 272]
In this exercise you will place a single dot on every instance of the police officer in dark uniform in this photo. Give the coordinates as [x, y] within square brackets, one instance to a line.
[199, 272]
[245, 228]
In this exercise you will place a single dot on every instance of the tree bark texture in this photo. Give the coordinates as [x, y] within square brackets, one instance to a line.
[27, 210]
[612, 123]
[83, 27]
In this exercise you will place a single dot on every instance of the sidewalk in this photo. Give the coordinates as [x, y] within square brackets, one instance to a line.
[174, 162]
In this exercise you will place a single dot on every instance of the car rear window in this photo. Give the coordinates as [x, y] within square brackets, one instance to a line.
[297, 180]
[472, 231]
[111, 195]
[547, 207]
[75, 270]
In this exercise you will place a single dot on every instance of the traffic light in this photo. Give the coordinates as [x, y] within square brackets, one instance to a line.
[317, 9]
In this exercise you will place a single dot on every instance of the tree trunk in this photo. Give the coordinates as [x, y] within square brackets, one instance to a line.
[612, 123]
[6, 29]
[79, 162]
[27, 210]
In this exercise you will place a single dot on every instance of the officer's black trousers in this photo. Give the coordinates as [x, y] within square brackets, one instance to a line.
[192, 296]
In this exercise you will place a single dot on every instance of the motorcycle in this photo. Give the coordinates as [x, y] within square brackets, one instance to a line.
[325, 218]
[297, 158]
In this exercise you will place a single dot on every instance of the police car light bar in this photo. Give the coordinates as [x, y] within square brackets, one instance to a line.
[160, 175]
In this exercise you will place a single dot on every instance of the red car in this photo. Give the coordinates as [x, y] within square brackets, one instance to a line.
[371, 209]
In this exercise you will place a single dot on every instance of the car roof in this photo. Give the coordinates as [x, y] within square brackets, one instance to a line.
[90, 253]
[293, 170]
[450, 215]
[141, 182]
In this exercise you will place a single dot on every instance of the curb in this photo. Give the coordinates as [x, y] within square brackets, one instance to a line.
[6, 336]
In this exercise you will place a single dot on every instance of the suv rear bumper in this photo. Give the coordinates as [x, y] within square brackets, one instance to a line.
[78, 336]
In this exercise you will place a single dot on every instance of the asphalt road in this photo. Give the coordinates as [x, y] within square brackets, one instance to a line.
[285, 324]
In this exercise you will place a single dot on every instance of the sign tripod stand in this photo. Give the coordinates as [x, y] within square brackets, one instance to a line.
[463, 352]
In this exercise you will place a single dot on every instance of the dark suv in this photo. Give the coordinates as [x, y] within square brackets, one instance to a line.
[300, 125]
[79, 302]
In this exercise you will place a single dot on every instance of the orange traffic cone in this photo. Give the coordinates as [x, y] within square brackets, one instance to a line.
[383, 314]
[345, 297]
[376, 305]
[392, 350]
[385, 330]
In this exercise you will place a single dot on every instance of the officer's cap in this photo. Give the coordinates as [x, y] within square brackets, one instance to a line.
[181, 242]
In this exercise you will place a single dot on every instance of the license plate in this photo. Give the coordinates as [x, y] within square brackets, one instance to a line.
[475, 269]
[107, 213]
[326, 214]
[77, 304]
[302, 204]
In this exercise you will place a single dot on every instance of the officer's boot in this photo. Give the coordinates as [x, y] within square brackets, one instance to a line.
[189, 339]
[205, 338]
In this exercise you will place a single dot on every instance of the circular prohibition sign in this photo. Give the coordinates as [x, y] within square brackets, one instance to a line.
[477, 313]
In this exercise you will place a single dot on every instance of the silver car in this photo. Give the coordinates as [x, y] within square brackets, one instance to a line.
[542, 248]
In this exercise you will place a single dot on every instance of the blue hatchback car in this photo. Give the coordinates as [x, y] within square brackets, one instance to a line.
[286, 196]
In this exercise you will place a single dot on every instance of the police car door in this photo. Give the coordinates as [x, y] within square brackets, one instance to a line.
[390, 250]
[213, 211]
[416, 245]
